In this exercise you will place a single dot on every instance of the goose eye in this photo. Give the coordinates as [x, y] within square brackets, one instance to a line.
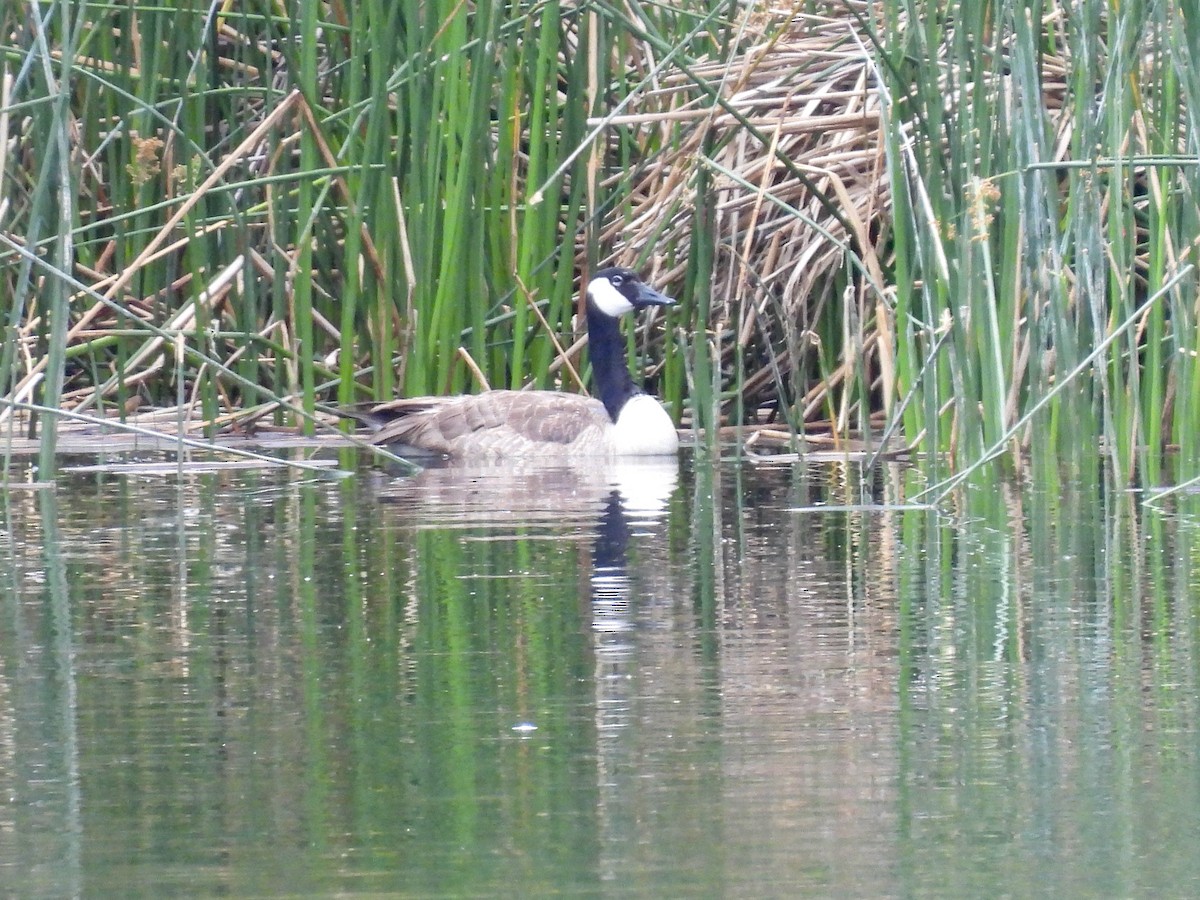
[617, 280]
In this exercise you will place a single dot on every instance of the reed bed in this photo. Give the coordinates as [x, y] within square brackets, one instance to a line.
[963, 232]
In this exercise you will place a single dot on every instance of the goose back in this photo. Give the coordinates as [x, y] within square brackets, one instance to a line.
[500, 424]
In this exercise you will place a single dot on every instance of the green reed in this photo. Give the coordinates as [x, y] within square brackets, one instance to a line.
[413, 188]
[373, 172]
[1035, 211]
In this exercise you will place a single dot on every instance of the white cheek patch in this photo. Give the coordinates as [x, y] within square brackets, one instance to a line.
[608, 299]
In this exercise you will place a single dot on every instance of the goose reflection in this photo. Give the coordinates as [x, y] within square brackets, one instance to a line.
[612, 502]
[457, 494]
[619, 506]
[615, 501]
[610, 576]
[637, 501]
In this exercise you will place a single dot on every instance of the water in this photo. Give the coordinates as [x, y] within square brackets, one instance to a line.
[694, 683]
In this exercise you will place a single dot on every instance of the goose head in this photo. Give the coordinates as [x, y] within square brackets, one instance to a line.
[615, 291]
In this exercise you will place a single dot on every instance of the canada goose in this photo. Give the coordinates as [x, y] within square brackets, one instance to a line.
[624, 421]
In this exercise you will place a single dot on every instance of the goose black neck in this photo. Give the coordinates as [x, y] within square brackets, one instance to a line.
[609, 369]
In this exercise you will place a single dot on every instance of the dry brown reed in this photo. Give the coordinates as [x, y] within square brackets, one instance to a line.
[789, 124]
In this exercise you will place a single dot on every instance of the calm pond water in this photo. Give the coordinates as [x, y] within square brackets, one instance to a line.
[695, 683]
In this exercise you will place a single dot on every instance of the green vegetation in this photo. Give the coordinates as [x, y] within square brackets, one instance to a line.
[966, 229]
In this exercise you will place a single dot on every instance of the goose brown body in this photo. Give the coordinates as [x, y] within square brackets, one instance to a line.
[498, 423]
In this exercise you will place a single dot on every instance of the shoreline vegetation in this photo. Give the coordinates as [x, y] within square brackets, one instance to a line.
[959, 232]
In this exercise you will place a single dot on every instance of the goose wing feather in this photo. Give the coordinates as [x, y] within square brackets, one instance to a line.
[494, 421]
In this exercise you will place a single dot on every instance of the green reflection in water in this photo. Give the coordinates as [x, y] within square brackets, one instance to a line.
[259, 684]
